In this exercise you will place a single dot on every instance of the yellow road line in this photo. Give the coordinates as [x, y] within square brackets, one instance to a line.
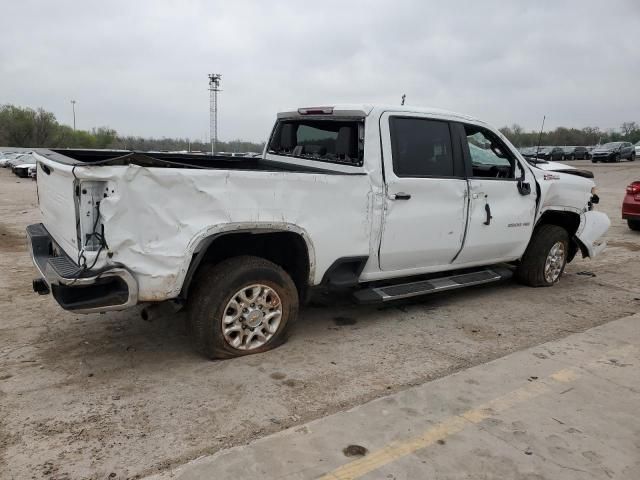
[451, 425]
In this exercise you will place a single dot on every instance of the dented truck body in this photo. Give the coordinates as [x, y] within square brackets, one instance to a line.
[355, 195]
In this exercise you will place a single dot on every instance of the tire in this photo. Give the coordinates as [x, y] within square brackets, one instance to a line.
[634, 224]
[593, 160]
[531, 270]
[217, 286]
[632, 158]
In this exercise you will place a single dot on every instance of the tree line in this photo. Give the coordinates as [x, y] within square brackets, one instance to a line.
[26, 127]
[628, 132]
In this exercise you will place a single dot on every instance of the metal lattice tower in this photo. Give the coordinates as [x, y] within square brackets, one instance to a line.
[214, 88]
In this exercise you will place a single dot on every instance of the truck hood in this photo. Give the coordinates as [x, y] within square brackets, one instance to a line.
[562, 168]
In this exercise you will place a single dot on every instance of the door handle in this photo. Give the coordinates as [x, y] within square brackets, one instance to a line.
[487, 209]
[402, 196]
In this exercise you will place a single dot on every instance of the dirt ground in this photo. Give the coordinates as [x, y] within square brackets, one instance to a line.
[113, 396]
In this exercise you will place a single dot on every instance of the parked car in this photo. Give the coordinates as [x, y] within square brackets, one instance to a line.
[24, 170]
[576, 153]
[384, 202]
[613, 152]
[631, 206]
[581, 153]
[637, 148]
[528, 152]
[551, 153]
[568, 153]
[7, 158]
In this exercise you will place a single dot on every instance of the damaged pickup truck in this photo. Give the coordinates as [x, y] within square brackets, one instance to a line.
[389, 202]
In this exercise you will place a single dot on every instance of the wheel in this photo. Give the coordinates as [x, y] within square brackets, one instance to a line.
[632, 158]
[562, 157]
[593, 160]
[633, 224]
[545, 258]
[241, 306]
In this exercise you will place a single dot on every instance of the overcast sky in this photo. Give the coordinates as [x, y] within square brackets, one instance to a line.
[141, 66]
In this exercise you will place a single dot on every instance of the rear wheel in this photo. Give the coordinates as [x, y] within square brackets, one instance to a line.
[241, 306]
[633, 224]
[545, 258]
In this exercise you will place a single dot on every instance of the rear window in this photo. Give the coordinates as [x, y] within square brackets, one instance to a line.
[336, 141]
[421, 147]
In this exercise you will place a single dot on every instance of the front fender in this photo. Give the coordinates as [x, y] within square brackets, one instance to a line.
[593, 225]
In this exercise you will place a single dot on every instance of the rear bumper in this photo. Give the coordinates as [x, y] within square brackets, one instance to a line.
[630, 208]
[111, 288]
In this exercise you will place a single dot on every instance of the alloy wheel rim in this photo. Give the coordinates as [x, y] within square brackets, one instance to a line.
[252, 317]
[554, 263]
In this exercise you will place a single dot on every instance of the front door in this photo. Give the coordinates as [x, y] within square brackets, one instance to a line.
[501, 216]
[426, 194]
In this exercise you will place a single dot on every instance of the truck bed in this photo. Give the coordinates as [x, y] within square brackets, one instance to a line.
[77, 157]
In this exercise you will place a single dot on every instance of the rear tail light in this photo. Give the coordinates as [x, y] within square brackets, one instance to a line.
[634, 188]
[90, 229]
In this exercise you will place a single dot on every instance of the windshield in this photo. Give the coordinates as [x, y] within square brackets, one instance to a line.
[336, 141]
[611, 145]
[544, 149]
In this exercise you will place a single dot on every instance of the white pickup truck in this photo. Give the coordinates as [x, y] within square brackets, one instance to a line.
[390, 202]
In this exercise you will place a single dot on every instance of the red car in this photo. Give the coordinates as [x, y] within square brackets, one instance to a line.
[631, 206]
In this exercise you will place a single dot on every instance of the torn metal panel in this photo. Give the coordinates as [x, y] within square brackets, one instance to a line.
[593, 226]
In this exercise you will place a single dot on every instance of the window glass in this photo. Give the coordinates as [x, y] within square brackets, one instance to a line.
[421, 147]
[489, 156]
[334, 141]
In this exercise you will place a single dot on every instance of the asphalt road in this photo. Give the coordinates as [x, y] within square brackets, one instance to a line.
[89, 396]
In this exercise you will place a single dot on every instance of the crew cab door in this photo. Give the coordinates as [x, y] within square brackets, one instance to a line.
[426, 193]
[501, 207]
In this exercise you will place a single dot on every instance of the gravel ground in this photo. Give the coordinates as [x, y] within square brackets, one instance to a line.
[113, 396]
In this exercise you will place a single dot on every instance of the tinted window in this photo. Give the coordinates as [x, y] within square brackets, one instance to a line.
[421, 147]
[335, 141]
[490, 158]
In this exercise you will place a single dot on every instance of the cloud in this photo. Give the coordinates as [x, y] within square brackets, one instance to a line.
[141, 67]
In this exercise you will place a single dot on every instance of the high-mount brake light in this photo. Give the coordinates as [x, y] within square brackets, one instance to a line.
[316, 111]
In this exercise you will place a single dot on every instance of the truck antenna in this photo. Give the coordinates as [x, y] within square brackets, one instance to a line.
[403, 97]
[540, 135]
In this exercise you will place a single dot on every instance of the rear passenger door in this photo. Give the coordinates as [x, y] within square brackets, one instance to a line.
[500, 213]
[426, 191]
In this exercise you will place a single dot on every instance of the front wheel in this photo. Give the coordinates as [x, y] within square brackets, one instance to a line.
[545, 258]
[241, 306]
[632, 158]
[633, 224]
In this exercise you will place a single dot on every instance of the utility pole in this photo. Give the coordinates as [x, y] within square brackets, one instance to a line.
[214, 88]
[73, 106]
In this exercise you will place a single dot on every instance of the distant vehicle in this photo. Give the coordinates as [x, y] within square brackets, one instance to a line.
[631, 206]
[7, 158]
[24, 170]
[551, 153]
[581, 153]
[613, 152]
[576, 153]
[528, 152]
[637, 148]
[569, 152]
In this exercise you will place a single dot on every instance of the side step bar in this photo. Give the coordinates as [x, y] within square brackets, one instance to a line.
[432, 285]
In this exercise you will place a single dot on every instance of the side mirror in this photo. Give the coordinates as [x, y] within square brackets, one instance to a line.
[524, 188]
